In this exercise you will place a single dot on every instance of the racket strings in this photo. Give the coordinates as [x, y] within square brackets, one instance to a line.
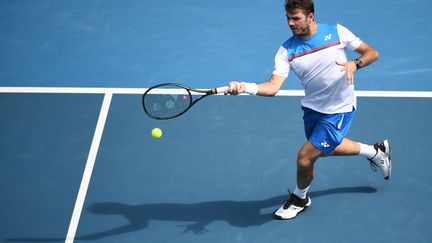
[166, 103]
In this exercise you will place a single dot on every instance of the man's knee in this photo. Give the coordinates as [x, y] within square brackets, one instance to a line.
[307, 156]
[304, 161]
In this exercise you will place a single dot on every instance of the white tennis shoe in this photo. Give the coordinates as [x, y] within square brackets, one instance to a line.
[382, 158]
[293, 206]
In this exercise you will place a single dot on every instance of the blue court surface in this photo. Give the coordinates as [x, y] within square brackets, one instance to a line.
[78, 163]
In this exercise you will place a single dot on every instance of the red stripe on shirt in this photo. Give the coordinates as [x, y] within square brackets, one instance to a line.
[314, 50]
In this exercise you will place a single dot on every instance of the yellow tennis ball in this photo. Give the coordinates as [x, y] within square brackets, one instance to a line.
[156, 132]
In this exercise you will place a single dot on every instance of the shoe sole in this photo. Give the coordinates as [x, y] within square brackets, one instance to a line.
[282, 218]
[388, 153]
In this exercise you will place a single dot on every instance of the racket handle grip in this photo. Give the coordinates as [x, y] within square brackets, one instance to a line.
[220, 90]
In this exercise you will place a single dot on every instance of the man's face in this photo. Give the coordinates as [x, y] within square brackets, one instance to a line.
[299, 23]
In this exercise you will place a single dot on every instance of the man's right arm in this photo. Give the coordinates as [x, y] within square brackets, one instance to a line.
[268, 88]
[272, 86]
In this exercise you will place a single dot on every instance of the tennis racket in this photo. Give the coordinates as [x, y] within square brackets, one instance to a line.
[170, 100]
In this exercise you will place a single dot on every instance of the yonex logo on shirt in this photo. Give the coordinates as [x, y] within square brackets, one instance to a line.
[327, 37]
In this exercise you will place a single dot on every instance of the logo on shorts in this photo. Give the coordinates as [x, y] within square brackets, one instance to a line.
[325, 144]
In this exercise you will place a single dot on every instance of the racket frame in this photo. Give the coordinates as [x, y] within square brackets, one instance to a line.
[189, 91]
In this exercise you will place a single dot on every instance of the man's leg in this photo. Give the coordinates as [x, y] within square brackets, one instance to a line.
[349, 147]
[298, 200]
[377, 154]
[306, 158]
[308, 154]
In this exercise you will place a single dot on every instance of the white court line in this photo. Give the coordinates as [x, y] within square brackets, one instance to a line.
[89, 90]
[88, 168]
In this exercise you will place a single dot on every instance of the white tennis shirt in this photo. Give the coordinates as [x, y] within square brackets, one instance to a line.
[313, 60]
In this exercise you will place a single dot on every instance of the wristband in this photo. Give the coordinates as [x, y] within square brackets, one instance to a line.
[251, 88]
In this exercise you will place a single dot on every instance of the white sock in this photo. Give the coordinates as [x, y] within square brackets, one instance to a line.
[301, 193]
[367, 150]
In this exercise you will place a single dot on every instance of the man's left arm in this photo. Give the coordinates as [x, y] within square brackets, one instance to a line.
[368, 55]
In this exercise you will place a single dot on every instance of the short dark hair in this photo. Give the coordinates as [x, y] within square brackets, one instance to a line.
[307, 6]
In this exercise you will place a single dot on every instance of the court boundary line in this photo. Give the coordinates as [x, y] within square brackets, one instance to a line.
[88, 170]
[95, 90]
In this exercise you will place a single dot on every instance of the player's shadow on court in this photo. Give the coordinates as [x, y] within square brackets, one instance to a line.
[235, 213]
[191, 217]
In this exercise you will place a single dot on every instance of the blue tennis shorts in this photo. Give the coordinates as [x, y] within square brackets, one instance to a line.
[326, 131]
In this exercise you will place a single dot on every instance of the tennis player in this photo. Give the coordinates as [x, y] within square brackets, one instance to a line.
[316, 53]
